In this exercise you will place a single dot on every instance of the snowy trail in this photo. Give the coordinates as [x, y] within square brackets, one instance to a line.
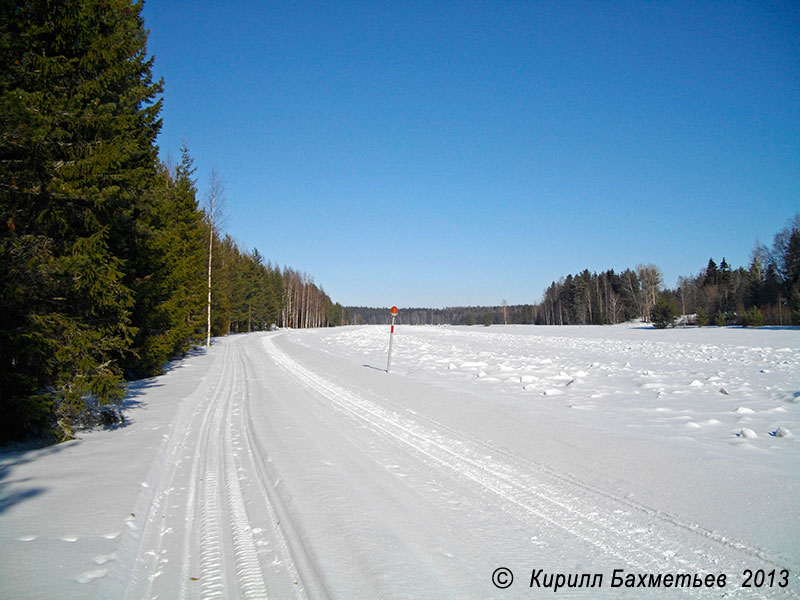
[284, 480]
[197, 539]
[287, 466]
[616, 530]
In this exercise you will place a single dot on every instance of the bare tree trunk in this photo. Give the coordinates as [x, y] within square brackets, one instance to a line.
[208, 303]
[589, 302]
[210, 251]
[683, 299]
[303, 322]
[612, 306]
[214, 196]
[634, 293]
[599, 297]
[309, 300]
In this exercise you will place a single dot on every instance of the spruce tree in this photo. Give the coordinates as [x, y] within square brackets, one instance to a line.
[275, 294]
[792, 274]
[663, 314]
[77, 162]
[712, 274]
[701, 320]
[188, 304]
[170, 306]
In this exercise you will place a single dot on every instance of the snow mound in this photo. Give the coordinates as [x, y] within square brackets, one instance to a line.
[652, 386]
[747, 433]
[90, 576]
[781, 432]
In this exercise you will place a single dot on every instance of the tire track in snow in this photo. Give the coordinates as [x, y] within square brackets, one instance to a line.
[224, 508]
[147, 548]
[647, 542]
[212, 510]
[248, 567]
[211, 557]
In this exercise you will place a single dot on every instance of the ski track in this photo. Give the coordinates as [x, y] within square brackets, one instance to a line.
[199, 492]
[623, 531]
[213, 480]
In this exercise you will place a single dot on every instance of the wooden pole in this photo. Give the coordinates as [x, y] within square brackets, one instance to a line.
[391, 335]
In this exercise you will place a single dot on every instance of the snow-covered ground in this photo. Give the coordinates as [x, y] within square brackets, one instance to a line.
[291, 465]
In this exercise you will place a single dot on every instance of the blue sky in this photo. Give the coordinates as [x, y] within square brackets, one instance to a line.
[454, 153]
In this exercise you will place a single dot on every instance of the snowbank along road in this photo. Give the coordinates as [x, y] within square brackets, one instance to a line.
[499, 464]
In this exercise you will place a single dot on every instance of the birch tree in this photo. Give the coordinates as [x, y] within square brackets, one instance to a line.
[651, 279]
[214, 200]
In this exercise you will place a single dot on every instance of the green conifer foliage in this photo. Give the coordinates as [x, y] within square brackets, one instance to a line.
[77, 159]
[791, 261]
[663, 314]
[170, 295]
[103, 250]
[753, 318]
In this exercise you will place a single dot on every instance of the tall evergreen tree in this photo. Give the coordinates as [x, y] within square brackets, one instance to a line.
[757, 273]
[712, 273]
[170, 297]
[77, 161]
[791, 263]
[791, 260]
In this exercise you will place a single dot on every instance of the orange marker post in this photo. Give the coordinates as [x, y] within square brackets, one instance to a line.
[391, 335]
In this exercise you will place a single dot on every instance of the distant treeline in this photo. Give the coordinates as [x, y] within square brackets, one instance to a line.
[765, 292]
[104, 251]
[458, 315]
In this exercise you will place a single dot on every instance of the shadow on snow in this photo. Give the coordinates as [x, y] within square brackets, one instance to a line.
[16, 491]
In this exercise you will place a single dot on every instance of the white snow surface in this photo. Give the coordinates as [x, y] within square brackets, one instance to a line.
[292, 465]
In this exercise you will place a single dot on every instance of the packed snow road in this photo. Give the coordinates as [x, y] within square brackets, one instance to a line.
[481, 467]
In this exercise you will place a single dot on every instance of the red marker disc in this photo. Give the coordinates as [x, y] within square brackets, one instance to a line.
[394, 310]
